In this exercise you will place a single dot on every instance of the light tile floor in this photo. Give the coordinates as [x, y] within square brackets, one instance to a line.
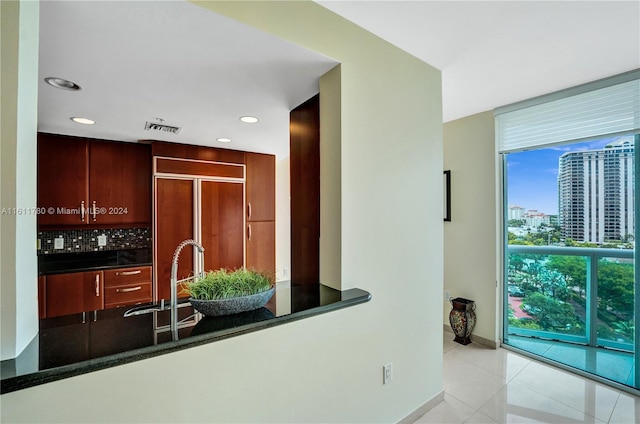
[485, 385]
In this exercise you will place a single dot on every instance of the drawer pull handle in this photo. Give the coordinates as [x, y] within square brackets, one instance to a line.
[136, 272]
[95, 210]
[82, 211]
[249, 210]
[97, 285]
[132, 289]
[249, 232]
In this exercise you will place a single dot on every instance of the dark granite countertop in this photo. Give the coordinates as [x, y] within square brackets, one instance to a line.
[61, 263]
[76, 344]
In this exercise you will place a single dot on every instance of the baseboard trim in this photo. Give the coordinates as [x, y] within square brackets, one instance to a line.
[477, 339]
[423, 409]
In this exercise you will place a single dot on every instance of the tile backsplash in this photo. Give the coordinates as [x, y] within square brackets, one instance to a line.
[73, 241]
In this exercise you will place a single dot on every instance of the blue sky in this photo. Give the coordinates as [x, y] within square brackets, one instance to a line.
[532, 176]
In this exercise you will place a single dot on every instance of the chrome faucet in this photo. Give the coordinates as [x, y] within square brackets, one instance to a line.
[174, 282]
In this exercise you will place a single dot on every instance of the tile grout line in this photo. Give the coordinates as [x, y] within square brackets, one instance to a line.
[493, 374]
[507, 382]
[559, 401]
[614, 408]
[461, 401]
[511, 382]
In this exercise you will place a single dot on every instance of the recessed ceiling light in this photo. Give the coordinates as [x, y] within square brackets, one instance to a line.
[62, 84]
[84, 121]
[223, 140]
[249, 119]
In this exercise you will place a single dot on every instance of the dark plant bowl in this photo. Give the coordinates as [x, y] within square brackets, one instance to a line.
[232, 305]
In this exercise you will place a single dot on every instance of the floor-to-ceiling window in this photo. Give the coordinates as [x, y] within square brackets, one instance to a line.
[570, 213]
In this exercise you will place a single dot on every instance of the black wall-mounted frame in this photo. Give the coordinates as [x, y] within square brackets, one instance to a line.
[447, 195]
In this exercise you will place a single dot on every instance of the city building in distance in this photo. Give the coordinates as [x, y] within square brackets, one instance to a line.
[595, 193]
[522, 221]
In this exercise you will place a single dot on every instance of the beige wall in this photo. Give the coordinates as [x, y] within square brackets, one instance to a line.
[470, 269]
[330, 179]
[326, 368]
[283, 219]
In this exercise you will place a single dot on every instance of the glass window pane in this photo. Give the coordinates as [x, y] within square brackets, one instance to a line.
[547, 296]
[615, 303]
[569, 264]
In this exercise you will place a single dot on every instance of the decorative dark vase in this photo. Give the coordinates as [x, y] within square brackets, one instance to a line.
[462, 318]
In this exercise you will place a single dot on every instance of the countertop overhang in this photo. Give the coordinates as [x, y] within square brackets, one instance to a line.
[304, 303]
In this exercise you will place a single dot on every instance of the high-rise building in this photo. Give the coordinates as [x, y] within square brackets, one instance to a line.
[595, 190]
[516, 212]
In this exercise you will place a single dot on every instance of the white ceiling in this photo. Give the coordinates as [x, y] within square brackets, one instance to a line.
[493, 53]
[137, 61]
[195, 69]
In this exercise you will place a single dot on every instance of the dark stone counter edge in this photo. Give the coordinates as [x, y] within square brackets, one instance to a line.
[93, 268]
[350, 297]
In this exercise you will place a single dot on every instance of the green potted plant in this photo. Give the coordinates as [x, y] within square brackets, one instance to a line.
[225, 292]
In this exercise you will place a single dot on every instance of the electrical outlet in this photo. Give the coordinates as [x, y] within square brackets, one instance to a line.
[387, 373]
[58, 243]
[447, 295]
[102, 240]
[285, 272]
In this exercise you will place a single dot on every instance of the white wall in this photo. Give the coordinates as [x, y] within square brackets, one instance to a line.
[18, 279]
[326, 368]
[470, 269]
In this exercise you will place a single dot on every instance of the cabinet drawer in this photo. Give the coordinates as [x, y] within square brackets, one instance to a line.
[128, 294]
[123, 276]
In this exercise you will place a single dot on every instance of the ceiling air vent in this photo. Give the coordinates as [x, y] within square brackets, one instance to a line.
[153, 126]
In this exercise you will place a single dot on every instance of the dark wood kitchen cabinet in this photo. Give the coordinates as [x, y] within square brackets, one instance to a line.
[120, 182]
[261, 212]
[211, 195]
[76, 292]
[261, 184]
[87, 182]
[73, 293]
[174, 223]
[261, 247]
[189, 151]
[63, 180]
[127, 286]
[221, 224]
[199, 209]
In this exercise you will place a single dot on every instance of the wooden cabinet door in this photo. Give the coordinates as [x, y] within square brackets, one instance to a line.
[120, 182]
[261, 183]
[222, 224]
[62, 180]
[74, 172]
[261, 247]
[74, 293]
[261, 212]
[174, 223]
